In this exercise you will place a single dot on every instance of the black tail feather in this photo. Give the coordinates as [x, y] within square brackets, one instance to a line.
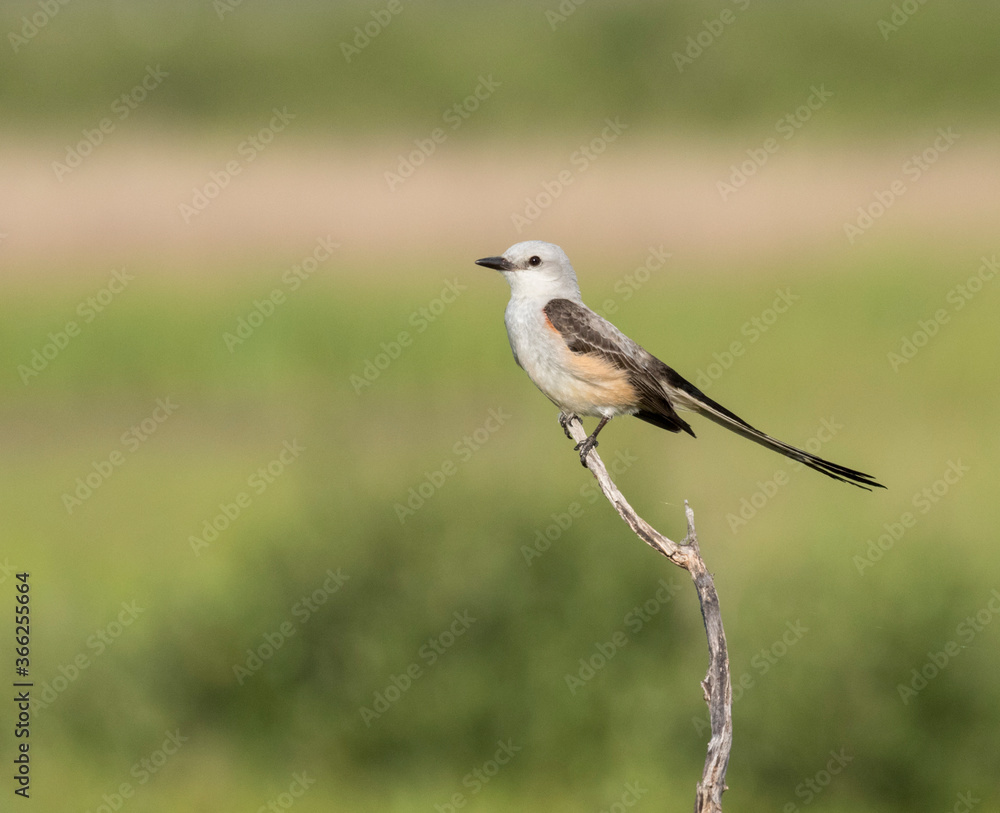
[686, 395]
[834, 470]
[672, 423]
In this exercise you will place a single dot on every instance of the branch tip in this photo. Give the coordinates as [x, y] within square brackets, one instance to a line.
[716, 686]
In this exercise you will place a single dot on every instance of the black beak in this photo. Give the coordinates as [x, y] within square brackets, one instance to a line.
[497, 263]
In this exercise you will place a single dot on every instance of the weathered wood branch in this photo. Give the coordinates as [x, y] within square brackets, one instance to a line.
[716, 686]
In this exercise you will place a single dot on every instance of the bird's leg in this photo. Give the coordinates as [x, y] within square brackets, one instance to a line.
[564, 419]
[588, 443]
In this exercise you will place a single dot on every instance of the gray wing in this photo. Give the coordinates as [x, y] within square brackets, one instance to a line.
[587, 333]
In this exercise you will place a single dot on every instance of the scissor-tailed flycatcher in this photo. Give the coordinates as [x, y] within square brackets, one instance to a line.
[586, 366]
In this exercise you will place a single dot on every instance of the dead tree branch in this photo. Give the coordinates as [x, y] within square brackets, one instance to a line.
[716, 686]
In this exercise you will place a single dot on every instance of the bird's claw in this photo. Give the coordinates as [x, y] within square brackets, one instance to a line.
[564, 419]
[584, 447]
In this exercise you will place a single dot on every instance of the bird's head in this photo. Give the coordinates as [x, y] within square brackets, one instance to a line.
[536, 268]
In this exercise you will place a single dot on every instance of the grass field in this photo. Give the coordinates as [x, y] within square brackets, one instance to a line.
[710, 69]
[308, 538]
[822, 630]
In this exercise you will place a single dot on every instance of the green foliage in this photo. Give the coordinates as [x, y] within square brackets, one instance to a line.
[793, 567]
[230, 67]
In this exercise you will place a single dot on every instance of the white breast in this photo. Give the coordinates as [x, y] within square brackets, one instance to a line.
[584, 386]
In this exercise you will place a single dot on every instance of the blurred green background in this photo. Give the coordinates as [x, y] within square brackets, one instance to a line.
[413, 598]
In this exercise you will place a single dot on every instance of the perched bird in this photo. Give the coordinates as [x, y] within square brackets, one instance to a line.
[586, 366]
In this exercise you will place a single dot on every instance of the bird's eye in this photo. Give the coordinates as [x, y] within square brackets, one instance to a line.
[535, 260]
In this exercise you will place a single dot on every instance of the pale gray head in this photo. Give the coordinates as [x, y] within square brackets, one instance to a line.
[536, 269]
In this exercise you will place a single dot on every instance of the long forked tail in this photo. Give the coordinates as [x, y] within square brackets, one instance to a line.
[690, 397]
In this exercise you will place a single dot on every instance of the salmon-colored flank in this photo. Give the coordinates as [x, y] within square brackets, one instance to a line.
[603, 384]
[599, 382]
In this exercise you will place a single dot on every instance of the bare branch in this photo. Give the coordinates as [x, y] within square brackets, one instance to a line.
[717, 689]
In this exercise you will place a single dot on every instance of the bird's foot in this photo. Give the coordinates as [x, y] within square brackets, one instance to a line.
[564, 419]
[584, 447]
